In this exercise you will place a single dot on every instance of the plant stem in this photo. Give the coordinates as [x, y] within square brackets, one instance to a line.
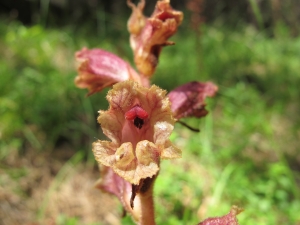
[147, 207]
[142, 209]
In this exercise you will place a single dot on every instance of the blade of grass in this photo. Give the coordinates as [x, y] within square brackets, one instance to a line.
[33, 140]
[44, 11]
[206, 137]
[221, 184]
[257, 13]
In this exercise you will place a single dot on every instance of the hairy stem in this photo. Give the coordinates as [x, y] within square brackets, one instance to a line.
[142, 202]
[147, 207]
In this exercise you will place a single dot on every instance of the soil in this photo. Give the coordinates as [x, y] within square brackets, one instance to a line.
[37, 188]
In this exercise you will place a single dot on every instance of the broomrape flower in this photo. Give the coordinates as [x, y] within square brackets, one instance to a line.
[138, 122]
[230, 218]
[149, 35]
[98, 69]
[188, 100]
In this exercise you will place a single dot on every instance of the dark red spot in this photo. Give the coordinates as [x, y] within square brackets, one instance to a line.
[138, 122]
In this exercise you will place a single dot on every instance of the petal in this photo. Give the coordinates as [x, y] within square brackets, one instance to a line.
[124, 157]
[144, 165]
[104, 152]
[124, 162]
[162, 132]
[188, 99]
[121, 97]
[147, 153]
[170, 151]
[111, 124]
[98, 69]
[147, 42]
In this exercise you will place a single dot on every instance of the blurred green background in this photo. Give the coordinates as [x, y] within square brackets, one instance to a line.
[247, 152]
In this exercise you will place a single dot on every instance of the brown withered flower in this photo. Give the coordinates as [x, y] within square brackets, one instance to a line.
[98, 69]
[138, 122]
[148, 36]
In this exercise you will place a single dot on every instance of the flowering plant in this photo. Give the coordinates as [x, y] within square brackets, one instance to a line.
[141, 117]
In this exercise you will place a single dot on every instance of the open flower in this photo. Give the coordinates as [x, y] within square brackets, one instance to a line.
[98, 69]
[138, 122]
[148, 36]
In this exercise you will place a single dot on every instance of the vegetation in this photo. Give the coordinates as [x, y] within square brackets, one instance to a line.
[246, 153]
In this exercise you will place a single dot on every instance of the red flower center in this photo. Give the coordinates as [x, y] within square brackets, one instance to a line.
[137, 114]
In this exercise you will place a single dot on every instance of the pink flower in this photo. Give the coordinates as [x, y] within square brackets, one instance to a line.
[98, 69]
[229, 219]
[148, 36]
[138, 122]
[116, 185]
[188, 99]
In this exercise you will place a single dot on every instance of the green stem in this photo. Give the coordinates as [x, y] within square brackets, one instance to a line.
[257, 13]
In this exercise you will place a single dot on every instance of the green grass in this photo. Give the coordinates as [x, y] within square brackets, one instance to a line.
[245, 155]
